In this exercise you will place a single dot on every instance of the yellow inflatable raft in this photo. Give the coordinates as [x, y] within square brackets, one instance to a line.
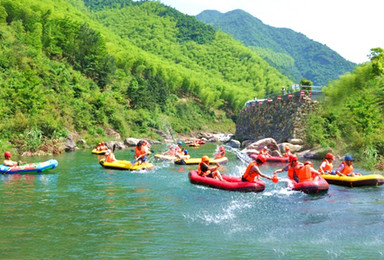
[94, 151]
[198, 160]
[126, 165]
[165, 157]
[357, 181]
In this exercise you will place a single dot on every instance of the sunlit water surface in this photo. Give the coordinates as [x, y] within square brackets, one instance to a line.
[81, 210]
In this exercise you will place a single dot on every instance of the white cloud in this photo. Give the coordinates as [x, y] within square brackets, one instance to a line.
[349, 27]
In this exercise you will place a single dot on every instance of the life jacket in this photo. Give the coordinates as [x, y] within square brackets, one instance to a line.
[347, 169]
[328, 166]
[304, 173]
[171, 152]
[220, 155]
[199, 171]
[110, 158]
[250, 176]
[293, 173]
[139, 152]
[287, 154]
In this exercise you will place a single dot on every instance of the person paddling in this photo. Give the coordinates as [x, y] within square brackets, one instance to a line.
[253, 170]
[141, 151]
[346, 168]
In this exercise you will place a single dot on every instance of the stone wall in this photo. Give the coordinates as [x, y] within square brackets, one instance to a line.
[281, 119]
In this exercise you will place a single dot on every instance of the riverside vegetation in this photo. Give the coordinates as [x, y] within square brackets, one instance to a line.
[74, 66]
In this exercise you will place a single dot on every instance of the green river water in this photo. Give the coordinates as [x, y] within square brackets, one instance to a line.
[81, 210]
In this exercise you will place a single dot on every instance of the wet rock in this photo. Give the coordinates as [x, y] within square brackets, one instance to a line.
[69, 144]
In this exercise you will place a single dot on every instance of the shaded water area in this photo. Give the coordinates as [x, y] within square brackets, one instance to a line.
[81, 210]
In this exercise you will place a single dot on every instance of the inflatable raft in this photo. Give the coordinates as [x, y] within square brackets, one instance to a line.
[165, 157]
[198, 160]
[231, 183]
[94, 151]
[126, 165]
[275, 159]
[30, 168]
[317, 185]
[357, 181]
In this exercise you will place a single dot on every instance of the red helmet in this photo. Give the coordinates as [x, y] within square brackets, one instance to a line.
[221, 148]
[102, 143]
[261, 158]
[329, 156]
[308, 163]
[7, 154]
[292, 157]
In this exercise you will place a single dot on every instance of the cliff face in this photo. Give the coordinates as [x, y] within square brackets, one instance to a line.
[279, 119]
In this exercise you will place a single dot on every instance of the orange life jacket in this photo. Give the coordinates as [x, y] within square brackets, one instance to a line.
[347, 169]
[139, 152]
[304, 173]
[110, 158]
[220, 155]
[171, 152]
[251, 176]
[328, 166]
[287, 154]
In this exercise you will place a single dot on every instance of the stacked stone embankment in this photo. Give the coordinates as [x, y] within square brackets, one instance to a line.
[281, 119]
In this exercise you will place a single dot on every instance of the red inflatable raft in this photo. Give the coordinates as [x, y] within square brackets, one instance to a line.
[230, 183]
[317, 185]
[277, 159]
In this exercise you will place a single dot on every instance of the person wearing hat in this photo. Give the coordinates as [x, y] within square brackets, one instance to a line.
[109, 156]
[220, 153]
[346, 168]
[179, 149]
[253, 170]
[185, 156]
[287, 151]
[326, 166]
[205, 170]
[7, 159]
[297, 171]
[264, 151]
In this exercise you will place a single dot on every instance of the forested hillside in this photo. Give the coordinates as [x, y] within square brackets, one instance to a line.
[291, 52]
[352, 118]
[135, 67]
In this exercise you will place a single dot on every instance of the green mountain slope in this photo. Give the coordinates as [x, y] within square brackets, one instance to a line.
[312, 60]
[134, 67]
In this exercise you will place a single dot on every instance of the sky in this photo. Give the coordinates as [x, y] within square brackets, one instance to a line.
[349, 27]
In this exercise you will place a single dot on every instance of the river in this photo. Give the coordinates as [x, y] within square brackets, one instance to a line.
[81, 210]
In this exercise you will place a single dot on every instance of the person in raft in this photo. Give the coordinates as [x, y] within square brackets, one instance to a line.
[326, 166]
[171, 150]
[109, 156]
[205, 170]
[186, 155]
[220, 153]
[141, 151]
[7, 160]
[287, 151]
[297, 171]
[101, 147]
[264, 151]
[346, 168]
[179, 149]
[253, 170]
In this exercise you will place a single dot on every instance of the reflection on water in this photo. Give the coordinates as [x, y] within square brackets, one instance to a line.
[87, 211]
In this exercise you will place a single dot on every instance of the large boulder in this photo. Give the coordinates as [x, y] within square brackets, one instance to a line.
[293, 148]
[270, 143]
[117, 145]
[234, 143]
[69, 144]
[113, 133]
[131, 141]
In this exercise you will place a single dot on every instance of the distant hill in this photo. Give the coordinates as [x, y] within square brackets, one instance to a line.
[290, 52]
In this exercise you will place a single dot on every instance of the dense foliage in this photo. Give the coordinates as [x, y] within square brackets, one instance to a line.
[138, 68]
[291, 52]
[352, 117]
